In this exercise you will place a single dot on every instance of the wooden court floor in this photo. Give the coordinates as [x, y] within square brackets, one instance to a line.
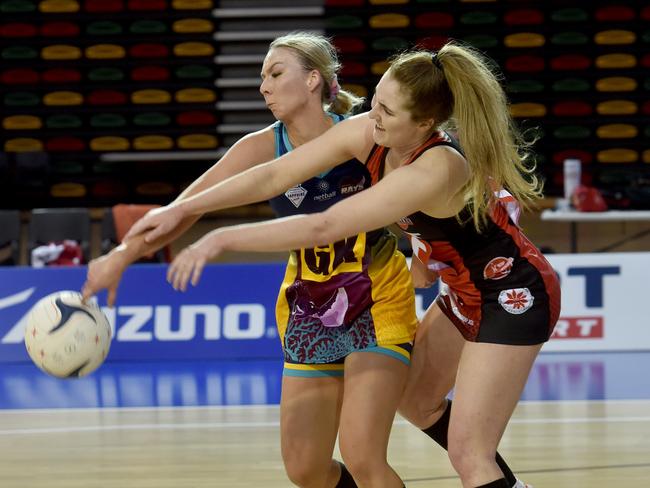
[598, 444]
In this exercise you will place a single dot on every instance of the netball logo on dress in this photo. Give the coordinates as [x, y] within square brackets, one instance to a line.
[516, 300]
[498, 268]
[296, 195]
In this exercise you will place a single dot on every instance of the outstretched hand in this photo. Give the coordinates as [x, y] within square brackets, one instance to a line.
[189, 264]
[104, 272]
[157, 222]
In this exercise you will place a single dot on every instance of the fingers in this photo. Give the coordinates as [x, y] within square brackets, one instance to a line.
[154, 234]
[86, 292]
[112, 295]
[137, 228]
[185, 268]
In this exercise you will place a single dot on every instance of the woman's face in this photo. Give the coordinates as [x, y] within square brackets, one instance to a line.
[394, 126]
[286, 86]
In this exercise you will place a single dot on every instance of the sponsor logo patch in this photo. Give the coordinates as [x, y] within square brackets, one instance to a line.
[516, 300]
[296, 195]
[404, 223]
[497, 268]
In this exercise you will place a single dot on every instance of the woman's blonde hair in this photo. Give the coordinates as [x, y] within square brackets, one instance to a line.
[318, 52]
[457, 88]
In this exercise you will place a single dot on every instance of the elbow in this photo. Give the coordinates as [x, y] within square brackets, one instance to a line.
[322, 229]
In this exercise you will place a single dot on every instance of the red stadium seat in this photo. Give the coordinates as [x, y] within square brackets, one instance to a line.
[146, 5]
[525, 63]
[353, 68]
[149, 50]
[572, 109]
[350, 44]
[570, 62]
[196, 118]
[59, 29]
[524, 16]
[584, 156]
[103, 6]
[432, 42]
[65, 144]
[19, 76]
[614, 13]
[150, 73]
[106, 97]
[434, 20]
[61, 75]
[18, 29]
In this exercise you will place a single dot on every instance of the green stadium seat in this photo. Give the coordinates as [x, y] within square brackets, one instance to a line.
[106, 168]
[106, 74]
[478, 17]
[570, 38]
[18, 53]
[616, 84]
[17, 6]
[21, 99]
[572, 132]
[617, 131]
[569, 15]
[148, 27]
[575, 85]
[63, 121]
[67, 168]
[481, 41]
[389, 43]
[524, 40]
[107, 121]
[525, 86]
[337, 22]
[194, 72]
[151, 119]
[104, 28]
[646, 132]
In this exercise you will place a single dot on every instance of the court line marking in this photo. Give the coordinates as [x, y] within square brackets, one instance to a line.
[50, 410]
[276, 424]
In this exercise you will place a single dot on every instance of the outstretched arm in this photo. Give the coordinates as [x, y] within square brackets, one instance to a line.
[424, 185]
[106, 271]
[348, 139]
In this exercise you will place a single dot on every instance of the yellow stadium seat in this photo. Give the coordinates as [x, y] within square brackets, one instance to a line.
[193, 26]
[524, 39]
[617, 107]
[109, 143]
[617, 131]
[379, 68]
[63, 98]
[192, 4]
[151, 96]
[195, 95]
[23, 144]
[616, 84]
[615, 37]
[58, 6]
[389, 21]
[105, 51]
[68, 190]
[153, 143]
[22, 122]
[197, 141]
[193, 49]
[617, 156]
[60, 52]
[616, 60]
[527, 109]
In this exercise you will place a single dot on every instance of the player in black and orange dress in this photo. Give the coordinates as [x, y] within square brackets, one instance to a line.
[500, 298]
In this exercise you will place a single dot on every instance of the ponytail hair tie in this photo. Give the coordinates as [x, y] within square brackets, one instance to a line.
[335, 88]
[435, 60]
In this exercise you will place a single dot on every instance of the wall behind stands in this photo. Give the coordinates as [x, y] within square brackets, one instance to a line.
[231, 313]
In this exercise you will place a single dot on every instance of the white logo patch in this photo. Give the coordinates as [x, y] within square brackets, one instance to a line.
[516, 300]
[296, 195]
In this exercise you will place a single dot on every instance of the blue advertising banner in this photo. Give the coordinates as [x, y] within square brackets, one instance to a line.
[230, 315]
